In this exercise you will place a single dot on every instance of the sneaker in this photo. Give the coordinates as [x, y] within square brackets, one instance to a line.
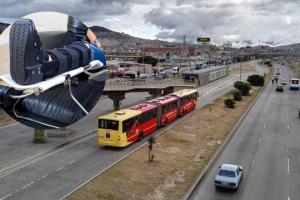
[26, 55]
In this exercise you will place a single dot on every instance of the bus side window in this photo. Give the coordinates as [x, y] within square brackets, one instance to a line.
[127, 124]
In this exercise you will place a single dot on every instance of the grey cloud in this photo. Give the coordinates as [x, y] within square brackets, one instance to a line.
[84, 10]
[251, 21]
[192, 22]
[265, 20]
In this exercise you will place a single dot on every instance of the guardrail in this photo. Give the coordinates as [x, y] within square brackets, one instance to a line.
[120, 85]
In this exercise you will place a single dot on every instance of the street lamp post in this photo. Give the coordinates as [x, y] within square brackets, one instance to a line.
[240, 70]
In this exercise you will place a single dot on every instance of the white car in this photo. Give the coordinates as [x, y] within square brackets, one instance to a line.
[284, 82]
[229, 176]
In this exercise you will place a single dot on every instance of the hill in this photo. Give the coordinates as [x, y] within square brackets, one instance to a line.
[294, 47]
[114, 39]
[111, 38]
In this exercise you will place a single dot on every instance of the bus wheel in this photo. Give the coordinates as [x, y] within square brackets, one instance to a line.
[141, 136]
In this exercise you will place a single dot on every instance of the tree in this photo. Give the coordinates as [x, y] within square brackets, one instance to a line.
[229, 103]
[256, 80]
[148, 60]
[237, 95]
[244, 87]
[268, 63]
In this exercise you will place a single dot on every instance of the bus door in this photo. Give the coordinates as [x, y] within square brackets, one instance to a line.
[178, 104]
[159, 115]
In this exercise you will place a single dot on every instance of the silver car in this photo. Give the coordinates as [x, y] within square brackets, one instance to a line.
[229, 176]
[284, 82]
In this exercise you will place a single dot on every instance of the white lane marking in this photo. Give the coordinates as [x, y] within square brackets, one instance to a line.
[45, 175]
[265, 126]
[288, 127]
[259, 140]
[26, 186]
[252, 163]
[71, 162]
[60, 168]
[289, 198]
[5, 197]
[288, 165]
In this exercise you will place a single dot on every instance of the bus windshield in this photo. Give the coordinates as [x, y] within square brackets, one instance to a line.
[295, 81]
[108, 124]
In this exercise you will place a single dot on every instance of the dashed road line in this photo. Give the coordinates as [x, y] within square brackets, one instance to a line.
[252, 163]
[288, 165]
[259, 140]
[26, 186]
[45, 175]
[71, 162]
[265, 126]
[60, 168]
[5, 197]
[288, 127]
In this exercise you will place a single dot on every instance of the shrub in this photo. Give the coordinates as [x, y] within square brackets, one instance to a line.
[148, 60]
[244, 87]
[256, 80]
[229, 103]
[237, 95]
[268, 63]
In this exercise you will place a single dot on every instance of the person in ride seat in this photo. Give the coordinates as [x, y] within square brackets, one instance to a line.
[30, 63]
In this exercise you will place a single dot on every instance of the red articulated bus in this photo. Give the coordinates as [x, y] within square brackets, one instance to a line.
[144, 124]
[167, 109]
[187, 101]
[123, 127]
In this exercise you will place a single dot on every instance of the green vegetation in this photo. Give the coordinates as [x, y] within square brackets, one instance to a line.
[268, 63]
[256, 80]
[229, 103]
[148, 60]
[236, 94]
[40, 136]
[242, 86]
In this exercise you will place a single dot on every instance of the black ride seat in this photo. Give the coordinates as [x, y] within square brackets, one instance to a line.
[55, 108]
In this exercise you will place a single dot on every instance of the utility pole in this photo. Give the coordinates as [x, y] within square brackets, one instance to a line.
[240, 70]
[227, 53]
[182, 49]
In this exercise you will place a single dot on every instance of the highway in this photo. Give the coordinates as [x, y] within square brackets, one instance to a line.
[54, 173]
[267, 146]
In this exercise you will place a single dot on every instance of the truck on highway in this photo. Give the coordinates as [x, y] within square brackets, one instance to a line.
[294, 84]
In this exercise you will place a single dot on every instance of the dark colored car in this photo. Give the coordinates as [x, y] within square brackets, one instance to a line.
[279, 88]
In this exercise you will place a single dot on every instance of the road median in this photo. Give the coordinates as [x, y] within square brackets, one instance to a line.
[182, 154]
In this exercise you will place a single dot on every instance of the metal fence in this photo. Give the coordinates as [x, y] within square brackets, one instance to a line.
[121, 84]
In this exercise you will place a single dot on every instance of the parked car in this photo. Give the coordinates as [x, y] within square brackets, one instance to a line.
[158, 77]
[279, 88]
[161, 76]
[228, 176]
[143, 76]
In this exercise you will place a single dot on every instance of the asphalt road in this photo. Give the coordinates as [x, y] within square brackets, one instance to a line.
[56, 173]
[267, 146]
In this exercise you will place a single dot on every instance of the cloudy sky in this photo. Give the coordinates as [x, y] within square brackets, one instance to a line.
[243, 22]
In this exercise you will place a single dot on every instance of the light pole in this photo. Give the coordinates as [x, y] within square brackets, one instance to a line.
[240, 70]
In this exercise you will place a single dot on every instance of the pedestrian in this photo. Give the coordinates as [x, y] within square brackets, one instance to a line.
[138, 73]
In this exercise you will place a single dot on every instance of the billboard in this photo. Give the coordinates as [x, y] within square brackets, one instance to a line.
[203, 39]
